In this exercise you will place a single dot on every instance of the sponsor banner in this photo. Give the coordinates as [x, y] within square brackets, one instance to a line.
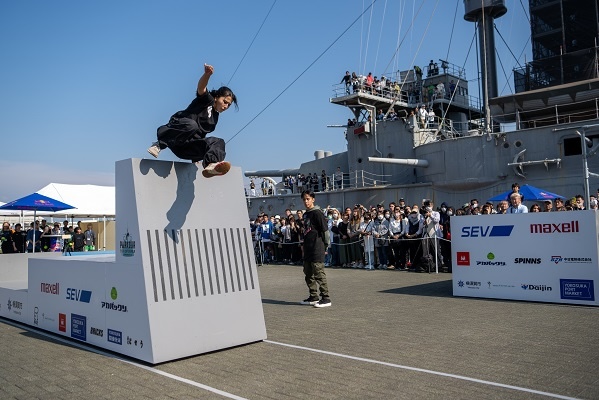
[550, 257]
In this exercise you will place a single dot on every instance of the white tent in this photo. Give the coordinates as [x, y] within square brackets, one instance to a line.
[88, 200]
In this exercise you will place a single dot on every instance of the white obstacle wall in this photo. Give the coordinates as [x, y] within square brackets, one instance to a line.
[184, 279]
[548, 257]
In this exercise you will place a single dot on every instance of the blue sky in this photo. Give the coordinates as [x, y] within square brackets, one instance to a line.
[84, 84]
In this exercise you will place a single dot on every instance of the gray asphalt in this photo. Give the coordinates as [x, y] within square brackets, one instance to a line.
[388, 335]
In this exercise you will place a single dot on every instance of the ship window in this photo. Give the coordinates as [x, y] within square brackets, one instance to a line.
[518, 143]
[506, 145]
[359, 161]
[572, 147]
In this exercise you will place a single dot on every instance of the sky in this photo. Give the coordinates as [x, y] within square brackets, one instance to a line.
[84, 84]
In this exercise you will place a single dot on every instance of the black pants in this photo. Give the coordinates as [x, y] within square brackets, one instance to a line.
[183, 137]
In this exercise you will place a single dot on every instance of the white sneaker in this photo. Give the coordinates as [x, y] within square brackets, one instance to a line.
[154, 149]
[214, 169]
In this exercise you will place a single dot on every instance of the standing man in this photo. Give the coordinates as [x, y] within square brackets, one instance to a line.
[90, 238]
[338, 178]
[316, 241]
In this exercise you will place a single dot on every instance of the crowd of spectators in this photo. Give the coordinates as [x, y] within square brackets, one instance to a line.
[46, 237]
[416, 91]
[300, 182]
[393, 237]
[398, 237]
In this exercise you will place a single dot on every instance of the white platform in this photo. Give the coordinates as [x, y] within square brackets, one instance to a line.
[183, 280]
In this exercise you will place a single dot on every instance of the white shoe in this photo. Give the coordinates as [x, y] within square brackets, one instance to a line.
[214, 169]
[154, 149]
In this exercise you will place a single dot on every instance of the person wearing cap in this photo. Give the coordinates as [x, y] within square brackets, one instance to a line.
[432, 233]
[547, 206]
[423, 115]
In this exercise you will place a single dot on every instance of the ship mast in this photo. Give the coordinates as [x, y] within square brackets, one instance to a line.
[484, 12]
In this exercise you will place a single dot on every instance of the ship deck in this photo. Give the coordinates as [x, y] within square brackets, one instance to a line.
[389, 334]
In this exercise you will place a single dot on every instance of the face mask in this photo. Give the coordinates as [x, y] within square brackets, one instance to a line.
[335, 216]
[330, 217]
[429, 209]
[387, 215]
[380, 217]
[443, 209]
[474, 205]
[450, 213]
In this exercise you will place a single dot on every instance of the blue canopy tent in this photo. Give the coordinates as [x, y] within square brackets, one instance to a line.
[528, 193]
[36, 202]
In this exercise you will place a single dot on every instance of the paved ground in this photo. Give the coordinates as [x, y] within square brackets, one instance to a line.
[388, 335]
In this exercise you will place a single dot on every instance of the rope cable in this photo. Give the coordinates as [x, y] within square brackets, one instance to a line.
[378, 47]
[250, 46]
[452, 29]
[304, 71]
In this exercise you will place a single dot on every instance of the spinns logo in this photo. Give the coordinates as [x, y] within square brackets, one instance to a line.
[487, 231]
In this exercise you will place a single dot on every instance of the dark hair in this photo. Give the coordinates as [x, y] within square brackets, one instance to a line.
[309, 193]
[224, 91]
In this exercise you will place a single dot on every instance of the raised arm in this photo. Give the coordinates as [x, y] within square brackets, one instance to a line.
[203, 82]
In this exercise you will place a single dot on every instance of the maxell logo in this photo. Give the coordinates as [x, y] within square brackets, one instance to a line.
[51, 288]
[487, 231]
[542, 288]
[83, 296]
[527, 260]
[565, 227]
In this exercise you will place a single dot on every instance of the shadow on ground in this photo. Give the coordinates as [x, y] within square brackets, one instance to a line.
[282, 302]
[433, 289]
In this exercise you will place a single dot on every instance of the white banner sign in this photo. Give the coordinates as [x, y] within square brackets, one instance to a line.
[549, 257]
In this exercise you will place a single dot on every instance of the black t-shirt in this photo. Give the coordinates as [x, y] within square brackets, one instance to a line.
[201, 110]
[78, 241]
[20, 239]
[7, 243]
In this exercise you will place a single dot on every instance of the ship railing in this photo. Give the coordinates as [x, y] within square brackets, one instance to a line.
[362, 178]
[560, 114]
[408, 98]
[387, 92]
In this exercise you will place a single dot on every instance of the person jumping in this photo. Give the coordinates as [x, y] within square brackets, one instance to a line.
[185, 133]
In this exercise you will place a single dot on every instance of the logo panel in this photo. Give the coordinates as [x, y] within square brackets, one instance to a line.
[577, 289]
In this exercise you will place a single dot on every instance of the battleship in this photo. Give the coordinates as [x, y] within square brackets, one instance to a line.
[545, 134]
